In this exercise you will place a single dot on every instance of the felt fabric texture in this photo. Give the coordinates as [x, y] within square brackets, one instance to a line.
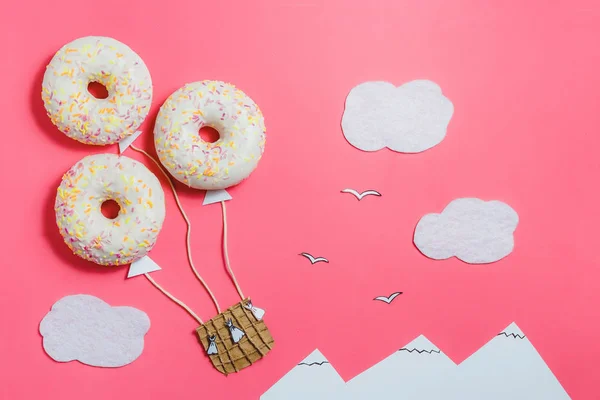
[84, 328]
[234, 356]
[409, 119]
[473, 230]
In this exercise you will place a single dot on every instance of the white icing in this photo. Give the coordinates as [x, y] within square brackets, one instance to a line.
[92, 236]
[203, 165]
[80, 115]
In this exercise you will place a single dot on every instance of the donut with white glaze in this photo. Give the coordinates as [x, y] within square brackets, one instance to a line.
[94, 237]
[204, 165]
[79, 114]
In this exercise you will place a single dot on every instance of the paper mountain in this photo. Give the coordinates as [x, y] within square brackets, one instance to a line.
[507, 367]
[313, 378]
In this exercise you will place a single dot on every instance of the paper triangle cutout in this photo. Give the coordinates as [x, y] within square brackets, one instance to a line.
[215, 196]
[125, 143]
[142, 266]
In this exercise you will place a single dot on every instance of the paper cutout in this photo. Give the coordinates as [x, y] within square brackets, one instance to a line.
[314, 378]
[389, 299]
[258, 313]
[413, 372]
[314, 260]
[360, 196]
[212, 347]
[84, 328]
[421, 345]
[507, 367]
[513, 331]
[125, 143]
[473, 230]
[236, 333]
[232, 357]
[410, 118]
[215, 196]
[524, 374]
[142, 266]
[314, 363]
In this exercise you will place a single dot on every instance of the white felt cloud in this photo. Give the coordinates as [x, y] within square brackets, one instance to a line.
[85, 328]
[410, 118]
[475, 231]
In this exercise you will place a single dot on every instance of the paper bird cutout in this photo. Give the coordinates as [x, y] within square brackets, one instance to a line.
[389, 299]
[314, 260]
[125, 143]
[360, 196]
[215, 196]
[142, 266]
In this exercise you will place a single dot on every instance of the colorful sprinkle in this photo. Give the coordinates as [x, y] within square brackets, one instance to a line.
[80, 115]
[87, 232]
[204, 165]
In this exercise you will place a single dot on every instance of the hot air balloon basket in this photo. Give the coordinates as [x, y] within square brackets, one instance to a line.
[235, 339]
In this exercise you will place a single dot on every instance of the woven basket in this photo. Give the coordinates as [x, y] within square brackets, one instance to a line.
[233, 357]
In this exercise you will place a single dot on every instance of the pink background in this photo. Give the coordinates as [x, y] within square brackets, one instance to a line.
[523, 77]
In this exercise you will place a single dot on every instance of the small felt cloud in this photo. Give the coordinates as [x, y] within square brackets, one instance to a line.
[85, 328]
[409, 119]
[473, 230]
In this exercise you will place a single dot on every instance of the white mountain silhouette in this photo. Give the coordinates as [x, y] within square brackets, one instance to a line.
[417, 371]
[506, 368]
[313, 378]
[513, 330]
[421, 344]
[509, 367]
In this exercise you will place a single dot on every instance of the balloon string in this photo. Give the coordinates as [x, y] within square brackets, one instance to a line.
[189, 226]
[179, 302]
[226, 253]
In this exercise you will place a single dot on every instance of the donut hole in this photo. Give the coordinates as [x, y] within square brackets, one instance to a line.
[110, 209]
[97, 90]
[209, 134]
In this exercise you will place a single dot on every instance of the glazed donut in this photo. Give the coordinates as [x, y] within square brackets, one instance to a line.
[92, 236]
[204, 165]
[80, 115]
